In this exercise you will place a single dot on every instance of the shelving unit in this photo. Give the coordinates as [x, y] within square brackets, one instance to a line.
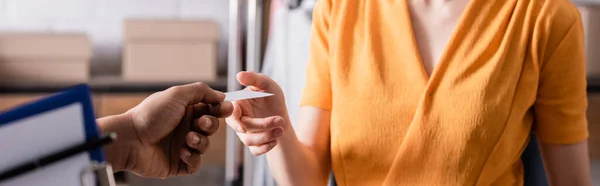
[104, 84]
[234, 65]
[253, 34]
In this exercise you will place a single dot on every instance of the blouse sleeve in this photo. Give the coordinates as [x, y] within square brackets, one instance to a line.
[317, 91]
[561, 103]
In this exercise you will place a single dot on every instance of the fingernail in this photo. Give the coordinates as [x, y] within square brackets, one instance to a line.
[187, 154]
[239, 129]
[207, 123]
[277, 132]
[278, 120]
[195, 140]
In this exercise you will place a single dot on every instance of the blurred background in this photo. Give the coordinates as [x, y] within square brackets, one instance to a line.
[127, 49]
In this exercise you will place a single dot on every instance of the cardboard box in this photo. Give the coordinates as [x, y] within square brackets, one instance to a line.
[44, 72]
[171, 30]
[44, 46]
[170, 51]
[44, 57]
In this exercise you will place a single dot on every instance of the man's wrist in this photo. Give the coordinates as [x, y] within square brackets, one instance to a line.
[118, 152]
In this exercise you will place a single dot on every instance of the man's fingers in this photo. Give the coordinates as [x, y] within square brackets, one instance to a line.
[220, 110]
[262, 149]
[225, 109]
[262, 124]
[257, 139]
[193, 93]
[255, 80]
[196, 145]
[192, 161]
[206, 125]
[197, 142]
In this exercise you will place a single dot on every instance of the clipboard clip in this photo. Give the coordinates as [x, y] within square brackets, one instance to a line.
[103, 173]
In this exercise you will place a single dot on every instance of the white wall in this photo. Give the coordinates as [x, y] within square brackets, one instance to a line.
[102, 20]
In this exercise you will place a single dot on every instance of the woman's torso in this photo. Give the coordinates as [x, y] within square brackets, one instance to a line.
[466, 123]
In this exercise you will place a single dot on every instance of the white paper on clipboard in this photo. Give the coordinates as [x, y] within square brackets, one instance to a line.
[47, 126]
[35, 136]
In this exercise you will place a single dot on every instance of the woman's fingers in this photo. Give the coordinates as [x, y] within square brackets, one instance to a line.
[197, 142]
[250, 125]
[259, 138]
[255, 80]
[236, 124]
[262, 133]
[259, 134]
[262, 149]
[261, 124]
[233, 120]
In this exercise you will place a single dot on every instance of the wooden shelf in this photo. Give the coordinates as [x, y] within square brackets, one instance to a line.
[102, 84]
[593, 85]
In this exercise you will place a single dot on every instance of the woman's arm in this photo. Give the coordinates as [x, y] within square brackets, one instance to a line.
[561, 103]
[296, 157]
[567, 164]
[302, 157]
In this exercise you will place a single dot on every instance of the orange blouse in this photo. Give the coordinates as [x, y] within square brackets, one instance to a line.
[510, 66]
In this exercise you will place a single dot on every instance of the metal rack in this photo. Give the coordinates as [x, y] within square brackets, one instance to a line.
[246, 24]
[254, 9]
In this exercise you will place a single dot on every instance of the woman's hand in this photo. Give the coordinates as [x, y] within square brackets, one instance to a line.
[260, 122]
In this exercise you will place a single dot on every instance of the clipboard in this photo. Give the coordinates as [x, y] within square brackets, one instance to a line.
[71, 114]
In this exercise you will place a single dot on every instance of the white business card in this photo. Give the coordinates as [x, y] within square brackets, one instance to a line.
[245, 94]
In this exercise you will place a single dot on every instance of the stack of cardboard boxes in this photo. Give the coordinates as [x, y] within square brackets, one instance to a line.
[170, 51]
[154, 51]
[44, 57]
